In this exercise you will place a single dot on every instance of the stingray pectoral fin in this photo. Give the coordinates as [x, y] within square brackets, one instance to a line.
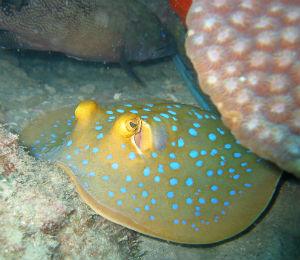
[48, 131]
[104, 211]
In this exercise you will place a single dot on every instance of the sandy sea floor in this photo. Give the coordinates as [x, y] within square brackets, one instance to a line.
[41, 215]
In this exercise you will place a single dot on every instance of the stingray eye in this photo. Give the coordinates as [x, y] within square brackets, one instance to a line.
[127, 125]
[132, 125]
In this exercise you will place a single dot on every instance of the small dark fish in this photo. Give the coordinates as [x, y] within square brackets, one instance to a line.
[96, 30]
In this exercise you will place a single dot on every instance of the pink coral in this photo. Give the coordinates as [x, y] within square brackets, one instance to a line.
[246, 54]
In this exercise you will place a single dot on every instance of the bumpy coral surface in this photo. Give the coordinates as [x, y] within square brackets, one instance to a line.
[246, 54]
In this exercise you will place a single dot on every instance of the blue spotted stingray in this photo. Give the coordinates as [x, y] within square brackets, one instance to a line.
[171, 171]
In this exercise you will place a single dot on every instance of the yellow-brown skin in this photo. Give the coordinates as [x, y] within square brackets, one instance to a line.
[126, 129]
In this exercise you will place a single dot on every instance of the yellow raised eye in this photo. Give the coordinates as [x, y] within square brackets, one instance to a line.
[127, 125]
[133, 125]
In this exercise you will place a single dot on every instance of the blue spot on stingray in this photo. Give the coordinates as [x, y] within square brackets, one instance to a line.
[247, 185]
[134, 111]
[85, 162]
[219, 171]
[123, 145]
[170, 194]
[120, 110]
[237, 155]
[193, 154]
[244, 164]
[232, 192]
[92, 174]
[226, 203]
[201, 201]
[105, 177]
[77, 151]
[98, 127]
[128, 105]
[210, 173]
[86, 184]
[227, 146]
[153, 201]
[172, 155]
[197, 125]
[174, 206]
[115, 166]
[152, 217]
[214, 188]
[53, 135]
[173, 181]
[140, 184]
[68, 156]
[199, 163]
[109, 112]
[146, 109]
[164, 115]
[108, 157]
[131, 155]
[174, 128]
[146, 171]
[180, 142]
[157, 179]
[237, 176]
[198, 115]
[231, 170]
[220, 131]
[189, 182]
[212, 137]
[203, 152]
[128, 178]
[87, 147]
[193, 132]
[123, 190]
[69, 143]
[95, 150]
[160, 168]
[214, 201]
[156, 118]
[110, 193]
[213, 152]
[176, 221]
[119, 202]
[147, 208]
[172, 112]
[154, 155]
[189, 201]
[175, 165]
[100, 136]
[144, 194]
[137, 209]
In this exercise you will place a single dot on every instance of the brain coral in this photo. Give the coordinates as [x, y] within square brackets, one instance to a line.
[246, 54]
